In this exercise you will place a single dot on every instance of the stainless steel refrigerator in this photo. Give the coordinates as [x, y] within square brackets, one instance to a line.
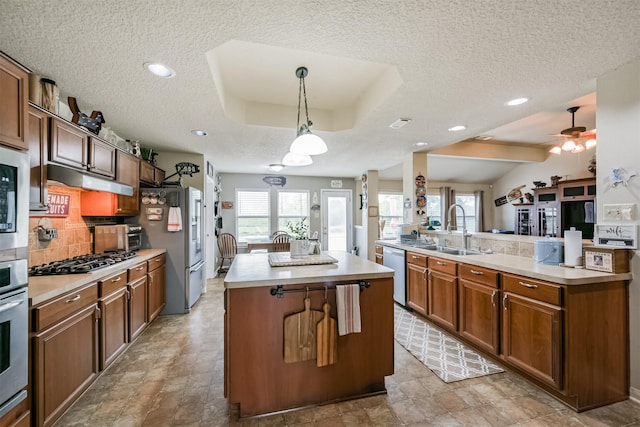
[185, 258]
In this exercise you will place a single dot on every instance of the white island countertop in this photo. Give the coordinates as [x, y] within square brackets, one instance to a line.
[254, 270]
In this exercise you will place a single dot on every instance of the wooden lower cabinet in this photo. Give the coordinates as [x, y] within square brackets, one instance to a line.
[417, 282]
[137, 307]
[114, 326]
[65, 363]
[156, 297]
[442, 293]
[479, 307]
[532, 337]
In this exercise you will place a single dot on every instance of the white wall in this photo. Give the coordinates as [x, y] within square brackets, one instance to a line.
[569, 166]
[618, 124]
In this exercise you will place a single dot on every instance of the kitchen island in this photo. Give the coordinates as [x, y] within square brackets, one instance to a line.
[256, 375]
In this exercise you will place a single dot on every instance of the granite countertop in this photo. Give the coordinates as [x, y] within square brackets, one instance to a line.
[522, 266]
[43, 288]
[253, 270]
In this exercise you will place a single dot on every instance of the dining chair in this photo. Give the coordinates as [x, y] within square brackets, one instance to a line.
[228, 248]
[280, 242]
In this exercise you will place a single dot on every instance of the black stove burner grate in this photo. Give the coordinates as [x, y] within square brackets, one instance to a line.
[81, 264]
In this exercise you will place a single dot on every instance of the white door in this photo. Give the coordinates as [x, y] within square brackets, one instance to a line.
[337, 220]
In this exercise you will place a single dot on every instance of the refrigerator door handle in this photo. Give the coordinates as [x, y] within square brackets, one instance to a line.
[197, 267]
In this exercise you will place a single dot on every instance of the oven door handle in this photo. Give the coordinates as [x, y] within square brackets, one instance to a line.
[8, 306]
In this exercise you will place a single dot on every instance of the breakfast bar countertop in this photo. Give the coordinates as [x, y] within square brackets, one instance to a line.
[44, 288]
[254, 270]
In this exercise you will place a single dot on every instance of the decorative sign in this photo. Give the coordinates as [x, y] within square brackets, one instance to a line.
[276, 180]
[619, 236]
[336, 183]
[58, 204]
[599, 261]
[227, 205]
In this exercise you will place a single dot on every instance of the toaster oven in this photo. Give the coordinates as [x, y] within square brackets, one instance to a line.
[120, 237]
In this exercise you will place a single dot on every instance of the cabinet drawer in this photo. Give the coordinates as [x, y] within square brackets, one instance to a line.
[112, 283]
[417, 259]
[535, 289]
[443, 265]
[59, 308]
[137, 271]
[480, 275]
[156, 262]
[378, 249]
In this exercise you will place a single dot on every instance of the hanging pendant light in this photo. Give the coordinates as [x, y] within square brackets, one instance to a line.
[305, 142]
[296, 159]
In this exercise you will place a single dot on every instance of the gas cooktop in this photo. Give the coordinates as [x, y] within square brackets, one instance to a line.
[81, 264]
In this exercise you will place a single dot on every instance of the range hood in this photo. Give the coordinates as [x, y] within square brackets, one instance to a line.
[75, 178]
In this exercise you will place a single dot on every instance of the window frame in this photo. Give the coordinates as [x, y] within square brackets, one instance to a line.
[290, 218]
[237, 210]
[399, 217]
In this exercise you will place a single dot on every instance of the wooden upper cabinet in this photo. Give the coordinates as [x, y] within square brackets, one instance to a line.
[127, 172]
[68, 145]
[37, 139]
[73, 147]
[150, 174]
[14, 84]
[102, 157]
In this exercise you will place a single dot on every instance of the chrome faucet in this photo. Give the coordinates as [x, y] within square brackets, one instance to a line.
[465, 235]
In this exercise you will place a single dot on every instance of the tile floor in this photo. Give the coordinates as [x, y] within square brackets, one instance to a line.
[173, 376]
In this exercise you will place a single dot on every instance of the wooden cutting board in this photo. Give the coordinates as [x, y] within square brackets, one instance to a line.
[300, 334]
[327, 332]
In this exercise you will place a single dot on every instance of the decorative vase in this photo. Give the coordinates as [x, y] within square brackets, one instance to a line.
[299, 248]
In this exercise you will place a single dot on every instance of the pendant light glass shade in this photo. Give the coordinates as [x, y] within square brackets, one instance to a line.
[590, 143]
[296, 159]
[309, 144]
[556, 150]
[569, 145]
[306, 142]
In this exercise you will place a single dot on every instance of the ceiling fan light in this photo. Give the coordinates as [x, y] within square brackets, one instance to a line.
[569, 145]
[579, 149]
[556, 150]
[590, 143]
[309, 144]
[296, 159]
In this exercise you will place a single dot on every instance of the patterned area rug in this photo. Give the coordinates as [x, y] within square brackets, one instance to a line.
[446, 357]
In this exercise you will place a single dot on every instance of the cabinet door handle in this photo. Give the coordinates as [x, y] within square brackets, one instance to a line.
[528, 285]
[139, 268]
[74, 299]
[441, 263]
[479, 273]
[414, 257]
[493, 298]
[504, 301]
[116, 280]
[128, 294]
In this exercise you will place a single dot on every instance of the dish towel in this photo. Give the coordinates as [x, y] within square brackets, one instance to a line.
[174, 222]
[348, 304]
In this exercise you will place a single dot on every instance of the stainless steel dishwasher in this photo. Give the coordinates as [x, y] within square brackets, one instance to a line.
[395, 259]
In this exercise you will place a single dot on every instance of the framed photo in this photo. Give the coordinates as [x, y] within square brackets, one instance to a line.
[373, 211]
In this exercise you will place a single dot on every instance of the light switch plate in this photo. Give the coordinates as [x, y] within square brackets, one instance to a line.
[619, 212]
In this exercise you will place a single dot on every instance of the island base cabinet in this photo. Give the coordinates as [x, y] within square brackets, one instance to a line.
[256, 375]
[66, 363]
[532, 338]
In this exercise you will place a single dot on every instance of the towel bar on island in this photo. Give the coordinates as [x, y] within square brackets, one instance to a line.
[279, 292]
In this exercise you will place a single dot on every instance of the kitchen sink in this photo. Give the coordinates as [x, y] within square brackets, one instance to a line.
[446, 250]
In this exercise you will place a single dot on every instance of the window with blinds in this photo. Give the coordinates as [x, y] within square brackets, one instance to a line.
[390, 213]
[252, 214]
[293, 205]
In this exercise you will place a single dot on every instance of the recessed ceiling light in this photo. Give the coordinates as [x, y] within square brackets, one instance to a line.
[198, 132]
[517, 101]
[159, 69]
[399, 123]
[421, 144]
[457, 128]
[276, 167]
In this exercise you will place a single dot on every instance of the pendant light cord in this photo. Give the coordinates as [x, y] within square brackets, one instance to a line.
[305, 102]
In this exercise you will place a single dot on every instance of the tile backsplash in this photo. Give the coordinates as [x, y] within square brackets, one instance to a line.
[74, 231]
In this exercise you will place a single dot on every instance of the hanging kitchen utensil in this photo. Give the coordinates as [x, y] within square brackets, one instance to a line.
[327, 333]
[300, 334]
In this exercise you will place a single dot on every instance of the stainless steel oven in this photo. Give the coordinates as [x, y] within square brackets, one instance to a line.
[13, 334]
[14, 199]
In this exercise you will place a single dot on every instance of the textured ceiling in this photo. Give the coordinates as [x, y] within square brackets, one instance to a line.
[459, 61]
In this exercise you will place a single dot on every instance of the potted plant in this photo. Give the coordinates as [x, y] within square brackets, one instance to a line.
[299, 244]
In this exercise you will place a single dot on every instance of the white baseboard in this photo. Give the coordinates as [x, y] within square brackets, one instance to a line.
[634, 394]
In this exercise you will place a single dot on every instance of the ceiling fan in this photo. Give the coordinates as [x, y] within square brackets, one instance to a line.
[577, 138]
